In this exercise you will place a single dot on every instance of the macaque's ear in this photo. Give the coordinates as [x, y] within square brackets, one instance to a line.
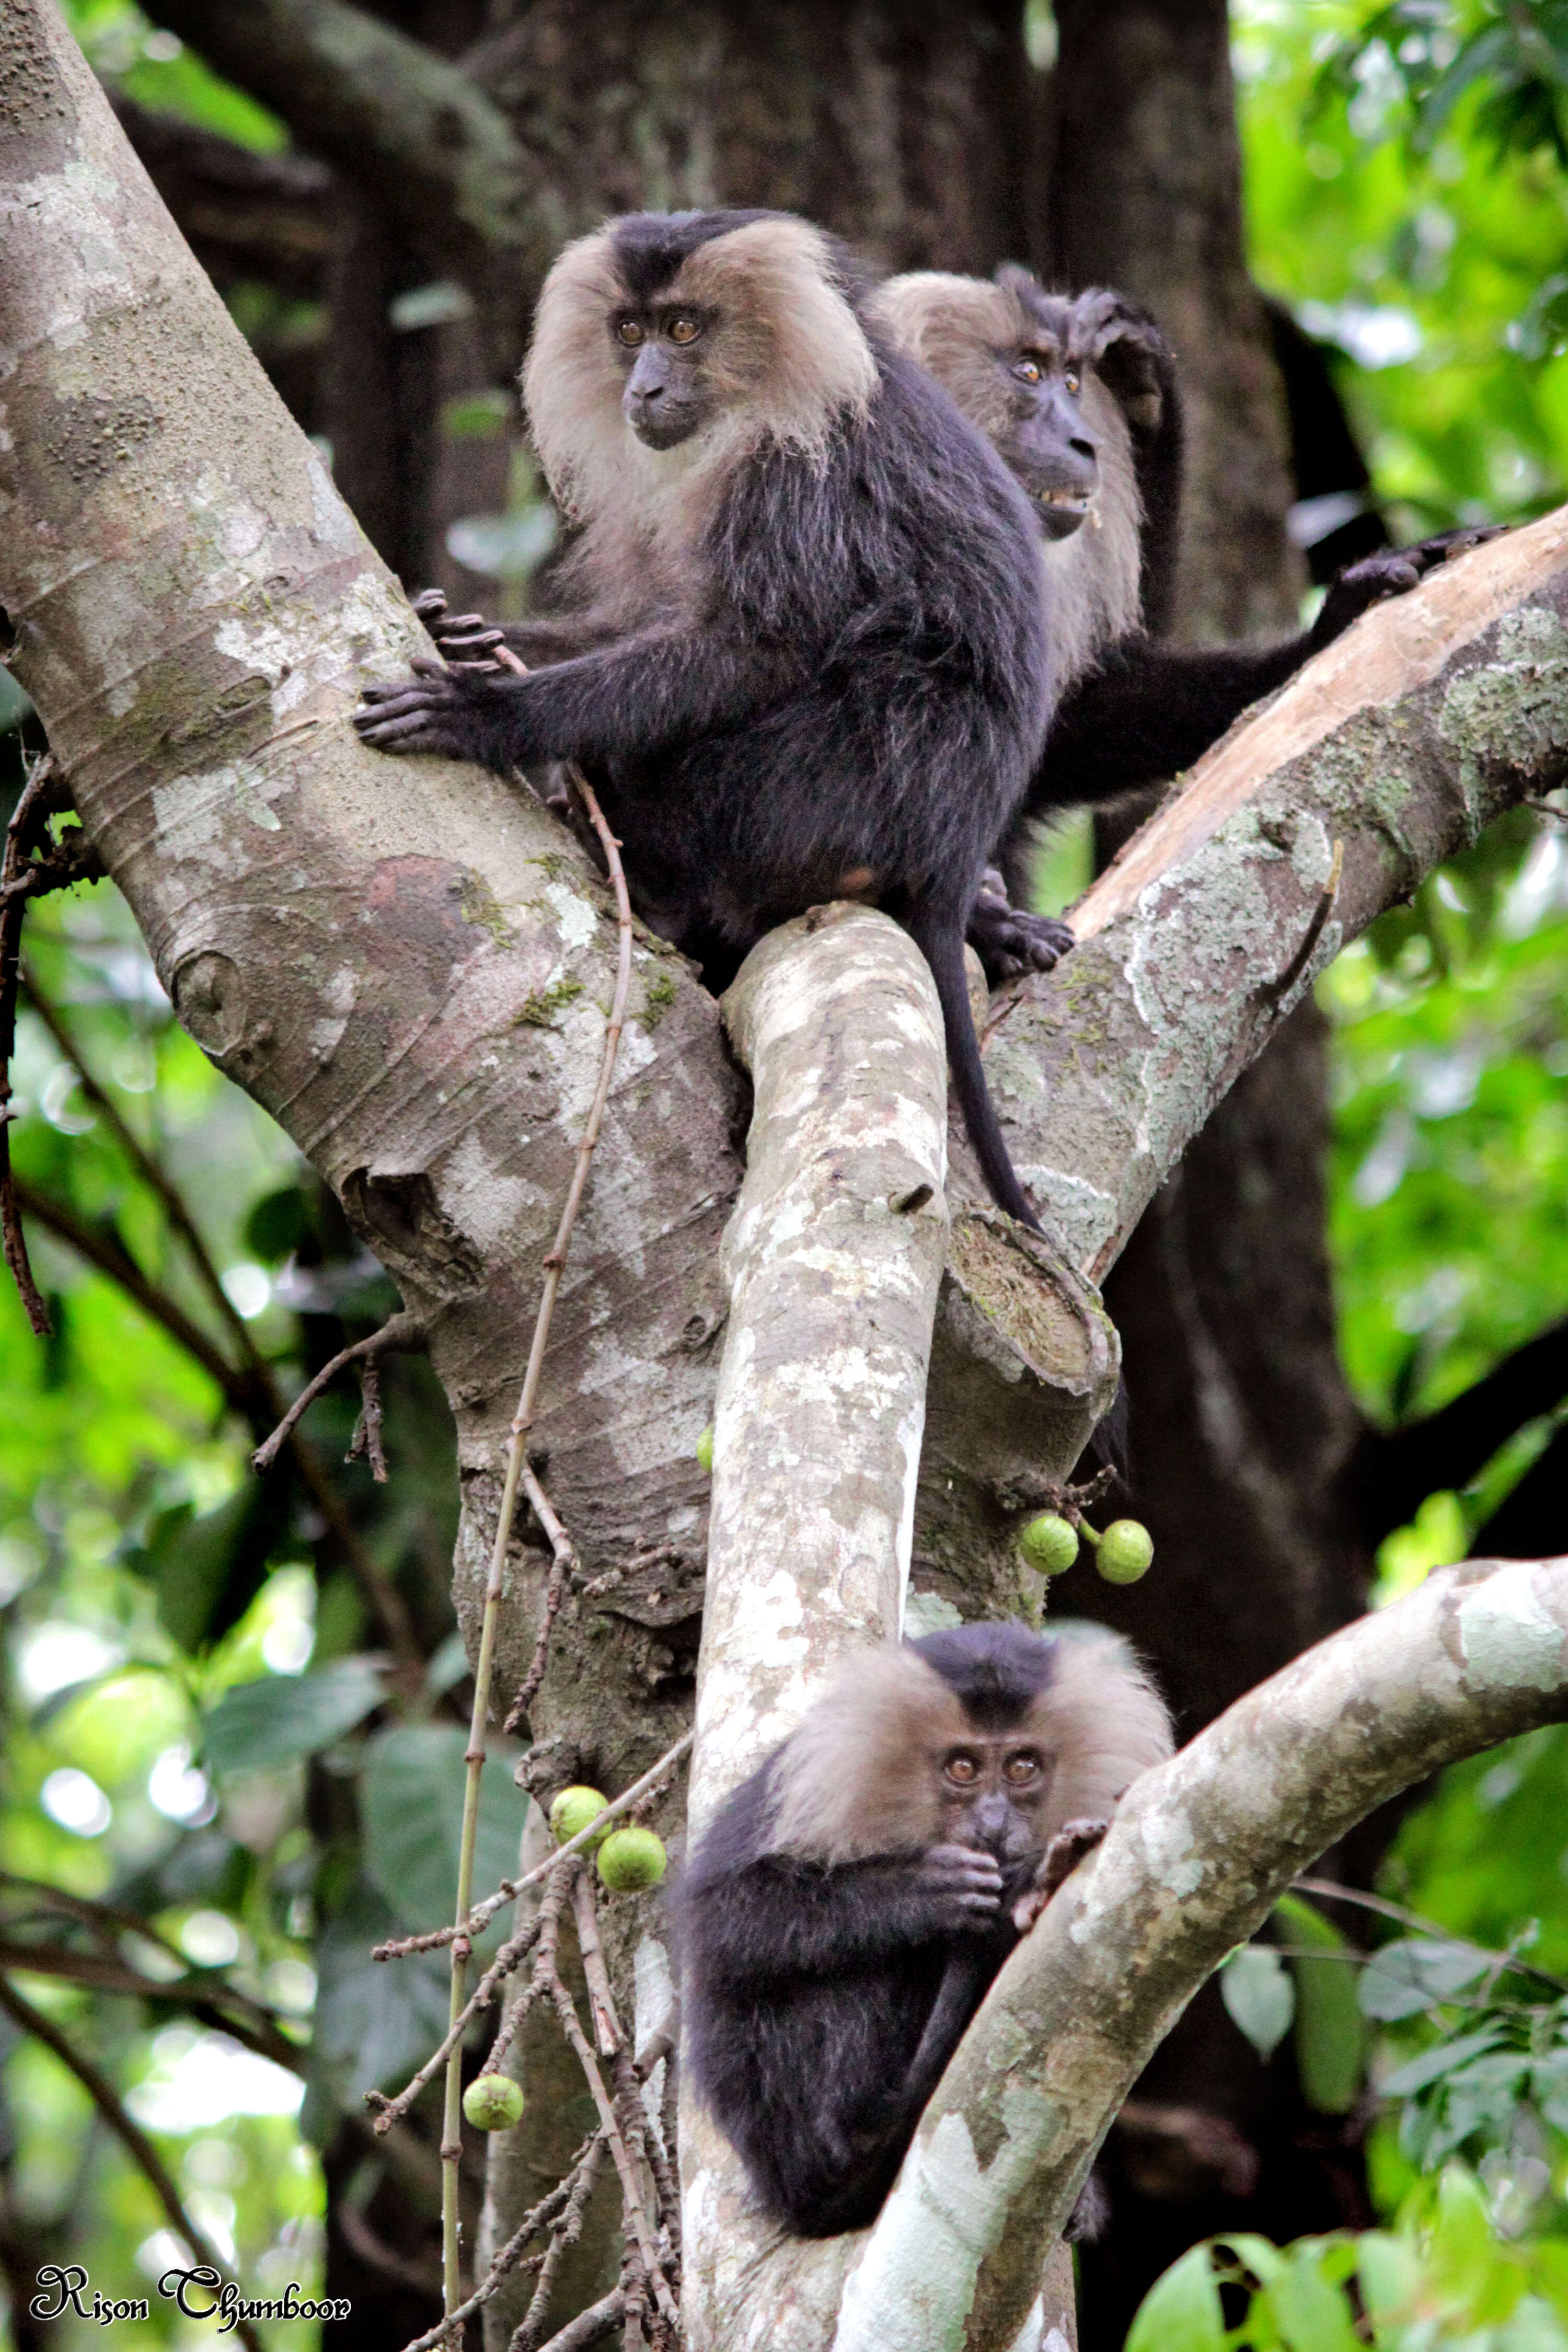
[1128, 352]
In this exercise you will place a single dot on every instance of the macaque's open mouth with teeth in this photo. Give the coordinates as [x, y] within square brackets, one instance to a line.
[1063, 510]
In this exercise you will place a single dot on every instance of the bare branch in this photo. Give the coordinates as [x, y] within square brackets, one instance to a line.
[392, 115]
[106, 2099]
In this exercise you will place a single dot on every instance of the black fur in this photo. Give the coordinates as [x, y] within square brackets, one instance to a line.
[871, 691]
[821, 2004]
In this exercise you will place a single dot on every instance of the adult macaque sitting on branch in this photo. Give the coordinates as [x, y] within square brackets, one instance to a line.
[1081, 398]
[830, 675]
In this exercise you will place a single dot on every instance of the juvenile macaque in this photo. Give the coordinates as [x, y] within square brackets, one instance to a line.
[847, 1906]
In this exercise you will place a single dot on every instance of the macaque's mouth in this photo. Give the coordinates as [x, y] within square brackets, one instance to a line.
[1063, 510]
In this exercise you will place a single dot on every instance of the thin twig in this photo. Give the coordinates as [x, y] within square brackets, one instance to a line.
[507, 2259]
[561, 2245]
[523, 1421]
[580, 2334]
[473, 1926]
[400, 1333]
[631, 2189]
[507, 1960]
[1397, 1911]
[365, 1444]
[1276, 991]
[560, 1568]
[106, 2099]
[12, 905]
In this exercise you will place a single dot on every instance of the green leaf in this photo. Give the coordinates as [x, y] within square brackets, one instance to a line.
[1180, 2311]
[208, 1571]
[1389, 2270]
[374, 2021]
[1313, 2315]
[1331, 2036]
[258, 1724]
[411, 1799]
[1418, 1972]
[1446, 2059]
[1259, 1995]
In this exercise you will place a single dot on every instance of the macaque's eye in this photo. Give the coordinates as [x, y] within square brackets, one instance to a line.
[963, 1769]
[629, 332]
[685, 330]
[1021, 1768]
[1027, 370]
[1073, 379]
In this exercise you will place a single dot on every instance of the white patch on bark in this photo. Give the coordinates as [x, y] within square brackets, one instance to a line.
[1509, 1633]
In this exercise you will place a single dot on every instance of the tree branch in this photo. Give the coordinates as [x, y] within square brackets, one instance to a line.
[1396, 1471]
[393, 117]
[267, 217]
[106, 2099]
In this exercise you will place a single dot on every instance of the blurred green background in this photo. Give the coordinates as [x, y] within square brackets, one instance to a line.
[219, 1866]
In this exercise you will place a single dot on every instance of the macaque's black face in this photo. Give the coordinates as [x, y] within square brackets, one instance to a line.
[1048, 446]
[994, 1789]
[661, 350]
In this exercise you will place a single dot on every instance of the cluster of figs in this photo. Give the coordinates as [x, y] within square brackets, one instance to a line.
[1050, 1542]
[628, 1858]
[1123, 1554]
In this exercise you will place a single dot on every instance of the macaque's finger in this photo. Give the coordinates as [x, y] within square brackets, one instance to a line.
[430, 603]
[391, 701]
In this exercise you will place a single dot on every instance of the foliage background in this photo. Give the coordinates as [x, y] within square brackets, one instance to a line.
[1410, 205]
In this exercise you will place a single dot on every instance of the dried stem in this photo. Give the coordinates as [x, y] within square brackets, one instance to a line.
[480, 1917]
[631, 2188]
[510, 1957]
[365, 1443]
[106, 2099]
[580, 2334]
[561, 2245]
[541, 2216]
[34, 802]
[400, 1333]
[523, 1421]
[560, 1568]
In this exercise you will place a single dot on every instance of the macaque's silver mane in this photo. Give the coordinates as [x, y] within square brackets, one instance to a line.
[956, 328]
[860, 1774]
[785, 358]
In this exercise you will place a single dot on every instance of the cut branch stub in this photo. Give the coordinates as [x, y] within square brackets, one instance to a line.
[1024, 1363]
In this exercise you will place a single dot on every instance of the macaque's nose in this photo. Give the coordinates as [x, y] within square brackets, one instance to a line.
[991, 1819]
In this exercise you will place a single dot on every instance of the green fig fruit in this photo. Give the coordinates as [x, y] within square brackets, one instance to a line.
[492, 2102]
[1049, 1543]
[1125, 1552]
[631, 1858]
[572, 1810]
[705, 1450]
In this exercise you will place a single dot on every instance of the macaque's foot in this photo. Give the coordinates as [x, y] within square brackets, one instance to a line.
[1393, 571]
[466, 637]
[1061, 1858]
[1010, 942]
[427, 712]
[963, 1886]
